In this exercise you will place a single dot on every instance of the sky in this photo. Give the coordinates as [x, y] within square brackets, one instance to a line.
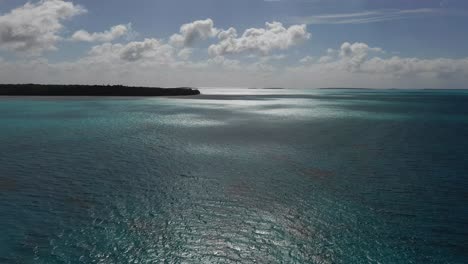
[242, 43]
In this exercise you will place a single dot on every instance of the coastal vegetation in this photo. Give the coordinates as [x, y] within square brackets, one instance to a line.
[91, 90]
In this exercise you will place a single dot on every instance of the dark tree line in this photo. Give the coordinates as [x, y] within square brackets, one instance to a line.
[92, 90]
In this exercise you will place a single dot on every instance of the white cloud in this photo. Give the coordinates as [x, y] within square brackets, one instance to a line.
[34, 27]
[307, 59]
[259, 40]
[349, 56]
[106, 64]
[353, 55]
[357, 57]
[106, 36]
[149, 48]
[152, 50]
[227, 34]
[192, 32]
[258, 63]
[359, 65]
[185, 53]
[325, 59]
[440, 68]
[369, 16]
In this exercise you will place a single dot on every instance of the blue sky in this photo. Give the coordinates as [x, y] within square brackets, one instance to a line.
[319, 43]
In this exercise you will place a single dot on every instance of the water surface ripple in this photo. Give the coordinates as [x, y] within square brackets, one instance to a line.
[236, 176]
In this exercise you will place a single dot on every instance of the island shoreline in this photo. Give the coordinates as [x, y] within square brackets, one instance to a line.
[92, 90]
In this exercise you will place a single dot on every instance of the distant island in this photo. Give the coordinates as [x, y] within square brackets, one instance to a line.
[267, 88]
[345, 88]
[91, 90]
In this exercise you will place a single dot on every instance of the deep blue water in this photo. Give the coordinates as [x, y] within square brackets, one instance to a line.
[266, 176]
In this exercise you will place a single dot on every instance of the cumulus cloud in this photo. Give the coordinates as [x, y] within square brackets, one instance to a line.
[147, 50]
[157, 67]
[362, 60]
[349, 56]
[35, 27]
[185, 53]
[307, 59]
[356, 58]
[106, 36]
[441, 68]
[354, 55]
[192, 32]
[259, 40]
[227, 34]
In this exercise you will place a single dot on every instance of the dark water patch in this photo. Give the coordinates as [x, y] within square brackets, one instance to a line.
[317, 172]
[8, 185]
[78, 202]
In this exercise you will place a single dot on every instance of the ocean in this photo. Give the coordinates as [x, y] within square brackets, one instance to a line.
[236, 176]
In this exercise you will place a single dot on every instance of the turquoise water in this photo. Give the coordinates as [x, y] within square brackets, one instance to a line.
[236, 176]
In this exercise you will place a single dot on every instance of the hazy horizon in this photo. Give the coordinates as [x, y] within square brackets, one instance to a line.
[234, 87]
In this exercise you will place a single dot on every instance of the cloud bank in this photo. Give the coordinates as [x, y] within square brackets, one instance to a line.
[35, 27]
[360, 61]
[260, 40]
[109, 35]
[192, 32]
